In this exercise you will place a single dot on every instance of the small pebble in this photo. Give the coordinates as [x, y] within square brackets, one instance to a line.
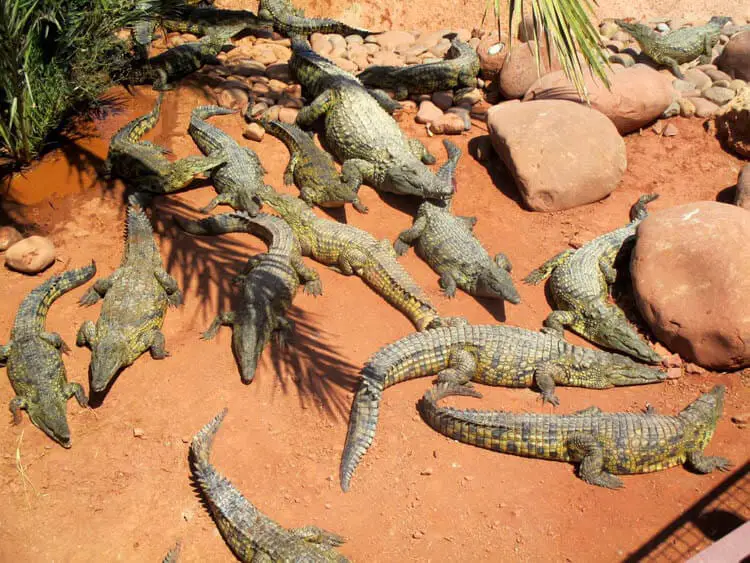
[427, 471]
[8, 237]
[670, 130]
[187, 515]
[419, 534]
[741, 420]
[254, 132]
[138, 432]
[674, 373]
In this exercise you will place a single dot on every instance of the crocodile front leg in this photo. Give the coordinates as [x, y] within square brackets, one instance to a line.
[706, 464]
[671, 63]
[461, 368]
[157, 348]
[174, 295]
[16, 405]
[705, 58]
[319, 106]
[289, 170]
[556, 322]
[75, 390]
[96, 292]
[609, 273]
[468, 221]
[54, 339]
[308, 276]
[408, 237]
[316, 535]
[448, 284]
[591, 470]
[545, 376]
[545, 270]
[355, 171]
[222, 319]
[4, 352]
[225, 198]
[161, 82]
[86, 334]
[420, 151]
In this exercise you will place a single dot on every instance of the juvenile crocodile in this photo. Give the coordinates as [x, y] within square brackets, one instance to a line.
[289, 20]
[215, 21]
[490, 354]
[362, 136]
[603, 444]
[579, 286]
[679, 46]
[135, 303]
[142, 164]
[178, 62]
[312, 169]
[447, 244]
[269, 284]
[251, 535]
[34, 359]
[349, 250]
[459, 70]
[239, 179]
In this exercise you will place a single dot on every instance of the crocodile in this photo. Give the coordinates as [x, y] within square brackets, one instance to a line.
[289, 20]
[360, 133]
[579, 286]
[250, 534]
[459, 70]
[349, 250]
[135, 304]
[446, 242]
[269, 284]
[679, 46]
[237, 181]
[34, 359]
[215, 21]
[142, 31]
[312, 169]
[603, 444]
[142, 164]
[491, 354]
[178, 62]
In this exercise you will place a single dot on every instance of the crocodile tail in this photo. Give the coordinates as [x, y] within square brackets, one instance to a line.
[200, 449]
[545, 270]
[234, 222]
[638, 212]
[204, 112]
[447, 172]
[428, 406]
[173, 554]
[137, 128]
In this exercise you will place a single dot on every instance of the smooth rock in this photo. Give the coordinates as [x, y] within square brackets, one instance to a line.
[717, 75]
[389, 40]
[718, 95]
[670, 130]
[320, 44]
[733, 123]
[743, 188]
[624, 59]
[254, 132]
[704, 107]
[428, 112]
[257, 109]
[561, 154]
[233, 98]
[735, 58]
[30, 255]
[682, 85]
[463, 113]
[354, 40]
[672, 110]
[691, 278]
[279, 71]
[449, 124]
[8, 237]
[637, 95]
[519, 71]
[697, 78]
[348, 66]
[443, 100]
[469, 98]
[737, 84]
[288, 115]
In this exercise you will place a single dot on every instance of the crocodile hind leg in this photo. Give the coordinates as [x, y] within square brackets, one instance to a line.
[308, 276]
[448, 284]
[252, 263]
[225, 198]
[706, 464]
[289, 170]
[86, 334]
[317, 108]
[385, 101]
[54, 339]
[75, 390]
[671, 63]
[610, 274]
[556, 322]
[174, 295]
[591, 470]
[96, 292]
[461, 368]
[545, 270]
[355, 171]
[408, 237]
[420, 151]
[222, 319]
[4, 352]
[316, 535]
[16, 405]
[545, 376]
[158, 350]
[351, 261]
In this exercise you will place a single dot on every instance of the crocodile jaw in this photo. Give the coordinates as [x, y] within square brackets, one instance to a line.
[50, 417]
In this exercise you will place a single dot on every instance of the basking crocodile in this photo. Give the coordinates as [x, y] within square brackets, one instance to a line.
[289, 20]
[178, 62]
[34, 359]
[361, 135]
[490, 354]
[269, 284]
[215, 21]
[447, 244]
[679, 46]
[239, 179]
[349, 250]
[603, 444]
[459, 70]
[135, 303]
[251, 535]
[142, 164]
[312, 169]
[579, 286]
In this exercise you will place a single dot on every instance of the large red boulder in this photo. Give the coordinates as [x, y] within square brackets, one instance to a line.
[519, 70]
[735, 58]
[691, 277]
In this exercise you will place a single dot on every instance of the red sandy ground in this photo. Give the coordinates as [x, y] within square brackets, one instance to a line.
[417, 495]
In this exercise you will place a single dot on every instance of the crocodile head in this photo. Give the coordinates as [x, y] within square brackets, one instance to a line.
[291, 208]
[495, 282]
[621, 371]
[637, 30]
[414, 178]
[108, 356]
[338, 194]
[49, 413]
[707, 408]
[249, 339]
[614, 331]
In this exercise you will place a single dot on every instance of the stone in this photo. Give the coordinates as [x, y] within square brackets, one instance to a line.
[254, 132]
[30, 255]
[389, 40]
[258, 108]
[670, 130]
[479, 111]
[526, 29]
[441, 48]
[697, 78]
[337, 41]
[735, 58]
[443, 100]
[691, 278]
[672, 110]
[491, 52]
[519, 71]
[733, 124]
[723, 84]
[354, 40]
[468, 98]
[138, 432]
[687, 107]
[718, 95]
[344, 64]
[287, 101]
[272, 113]
[682, 85]
[288, 115]
[428, 112]
[561, 154]
[277, 87]
[320, 44]
[463, 113]
[624, 59]
[717, 75]
[8, 237]
[703, 107]
[743, 188]
[279, 71]
[637, 96]
[429, 39]
[737, 84]
[233, 98]
[387, 58]
[448, 124]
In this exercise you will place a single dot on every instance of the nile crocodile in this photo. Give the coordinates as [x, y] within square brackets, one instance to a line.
[603, 444]
[349, 250]
[215, 21]
[251, 535]
[361, 135]
[490, 354]
[289, 20]
[679, 46]
[312, 169]
[447, 244]
[142, 164]
[238, 180]
[269, 284]
[579, 286]
[34, 359]
[459, 70]
[135, 303]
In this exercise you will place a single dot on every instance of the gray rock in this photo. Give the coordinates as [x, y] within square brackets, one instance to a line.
[698, 78]
[718, 95]
[672, 110]
[704, 107]
[443, 100]
[687, 107]
[717, 75]
[682, 85]
[737, 84]
[743, 188]
[624, 59]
